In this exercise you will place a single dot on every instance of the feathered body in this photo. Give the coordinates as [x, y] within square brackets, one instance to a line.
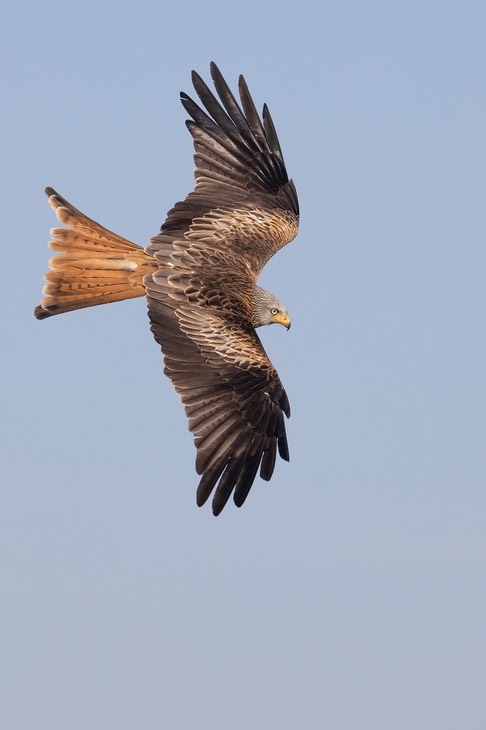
[199, 275]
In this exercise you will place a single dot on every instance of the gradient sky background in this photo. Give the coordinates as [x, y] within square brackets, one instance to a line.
[349, 593]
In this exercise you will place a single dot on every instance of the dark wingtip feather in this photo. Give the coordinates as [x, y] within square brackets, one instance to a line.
[251, 113]
[41, 313]
[268, 461]
[214, 69]
[283, 448]
[236, 126]
[271, 133]
[284, 404]
[246, 478]
[226, 486]
[208, 481]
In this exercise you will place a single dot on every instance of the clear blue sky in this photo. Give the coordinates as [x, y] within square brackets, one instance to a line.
[349, 593]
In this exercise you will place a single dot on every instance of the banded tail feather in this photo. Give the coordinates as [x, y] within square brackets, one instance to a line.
[93, 265]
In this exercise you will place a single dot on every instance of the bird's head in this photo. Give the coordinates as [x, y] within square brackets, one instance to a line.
[268, 309]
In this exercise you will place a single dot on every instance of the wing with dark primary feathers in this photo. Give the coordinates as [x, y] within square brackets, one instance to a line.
[232, 395]
[243, 199]
[242, 211]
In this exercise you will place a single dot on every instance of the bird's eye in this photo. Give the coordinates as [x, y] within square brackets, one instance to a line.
[274, 311]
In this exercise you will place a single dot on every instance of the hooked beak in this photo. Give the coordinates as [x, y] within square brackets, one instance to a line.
[283, 319]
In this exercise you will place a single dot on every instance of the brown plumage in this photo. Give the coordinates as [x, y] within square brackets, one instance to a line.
[94, 266]
[199, 276]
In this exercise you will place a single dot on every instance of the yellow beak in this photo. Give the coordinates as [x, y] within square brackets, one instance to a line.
[283, 319]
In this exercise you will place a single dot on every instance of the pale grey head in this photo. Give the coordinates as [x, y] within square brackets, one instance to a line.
[267, 309]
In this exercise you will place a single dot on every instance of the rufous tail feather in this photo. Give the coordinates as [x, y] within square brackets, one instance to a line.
[93, 266]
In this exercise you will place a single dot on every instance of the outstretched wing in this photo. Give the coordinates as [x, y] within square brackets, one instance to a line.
[243, 200]
[215, 242]
[232, 394]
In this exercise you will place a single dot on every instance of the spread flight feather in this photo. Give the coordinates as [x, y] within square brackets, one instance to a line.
[199, 275]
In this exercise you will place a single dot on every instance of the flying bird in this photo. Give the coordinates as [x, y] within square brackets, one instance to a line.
[199, 275]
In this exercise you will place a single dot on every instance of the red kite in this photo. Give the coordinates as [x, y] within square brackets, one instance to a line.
[199, 275]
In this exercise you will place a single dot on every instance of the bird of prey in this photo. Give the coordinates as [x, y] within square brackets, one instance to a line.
[199, 275]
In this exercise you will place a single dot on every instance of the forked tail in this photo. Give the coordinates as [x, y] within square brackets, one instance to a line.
[93, 266]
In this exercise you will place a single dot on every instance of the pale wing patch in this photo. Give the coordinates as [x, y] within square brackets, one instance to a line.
[254, 235]
[219, 339]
